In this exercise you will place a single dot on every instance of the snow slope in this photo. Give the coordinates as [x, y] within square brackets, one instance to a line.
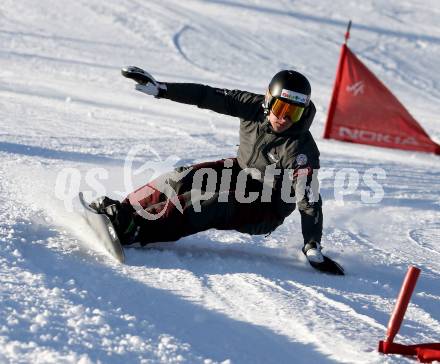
[68, 120]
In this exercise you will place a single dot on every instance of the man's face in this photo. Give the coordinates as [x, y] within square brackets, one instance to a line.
[280, 125]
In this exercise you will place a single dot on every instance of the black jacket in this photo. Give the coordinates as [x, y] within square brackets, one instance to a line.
[260, 146]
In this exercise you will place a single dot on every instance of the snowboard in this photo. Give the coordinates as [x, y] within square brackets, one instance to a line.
[104, 229]
[328, 266]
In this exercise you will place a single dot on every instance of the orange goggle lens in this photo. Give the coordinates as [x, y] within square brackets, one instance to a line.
[281, 109]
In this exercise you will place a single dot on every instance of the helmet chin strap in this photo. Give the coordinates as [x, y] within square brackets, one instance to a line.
[266, 109]
[266, 105]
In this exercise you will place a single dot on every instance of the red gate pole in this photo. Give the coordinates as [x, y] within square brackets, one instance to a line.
[400, 308]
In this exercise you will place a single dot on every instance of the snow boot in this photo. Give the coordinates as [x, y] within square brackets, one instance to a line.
[312, 251]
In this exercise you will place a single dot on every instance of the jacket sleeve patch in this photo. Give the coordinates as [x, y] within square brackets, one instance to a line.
[301, 159]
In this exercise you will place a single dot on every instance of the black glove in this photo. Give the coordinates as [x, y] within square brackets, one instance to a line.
[145, 82]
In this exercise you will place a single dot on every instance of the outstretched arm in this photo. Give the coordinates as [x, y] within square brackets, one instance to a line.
[237, 103]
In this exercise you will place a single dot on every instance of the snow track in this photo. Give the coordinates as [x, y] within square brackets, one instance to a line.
[217, 296]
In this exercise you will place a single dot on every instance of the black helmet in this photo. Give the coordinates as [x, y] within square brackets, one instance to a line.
[289, 86]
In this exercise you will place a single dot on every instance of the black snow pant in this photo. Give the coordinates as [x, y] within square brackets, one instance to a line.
[197, 198]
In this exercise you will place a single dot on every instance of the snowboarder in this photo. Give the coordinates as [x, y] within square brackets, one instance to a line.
[274, 132]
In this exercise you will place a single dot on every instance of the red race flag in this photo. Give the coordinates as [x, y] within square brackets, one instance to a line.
[362, 110]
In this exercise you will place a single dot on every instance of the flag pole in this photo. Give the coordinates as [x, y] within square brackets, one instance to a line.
[334, 99]
[347, 33]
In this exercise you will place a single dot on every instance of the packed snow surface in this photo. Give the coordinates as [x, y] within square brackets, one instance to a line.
[70, 122]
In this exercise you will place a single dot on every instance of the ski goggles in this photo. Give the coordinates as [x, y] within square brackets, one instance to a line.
[283, 109]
